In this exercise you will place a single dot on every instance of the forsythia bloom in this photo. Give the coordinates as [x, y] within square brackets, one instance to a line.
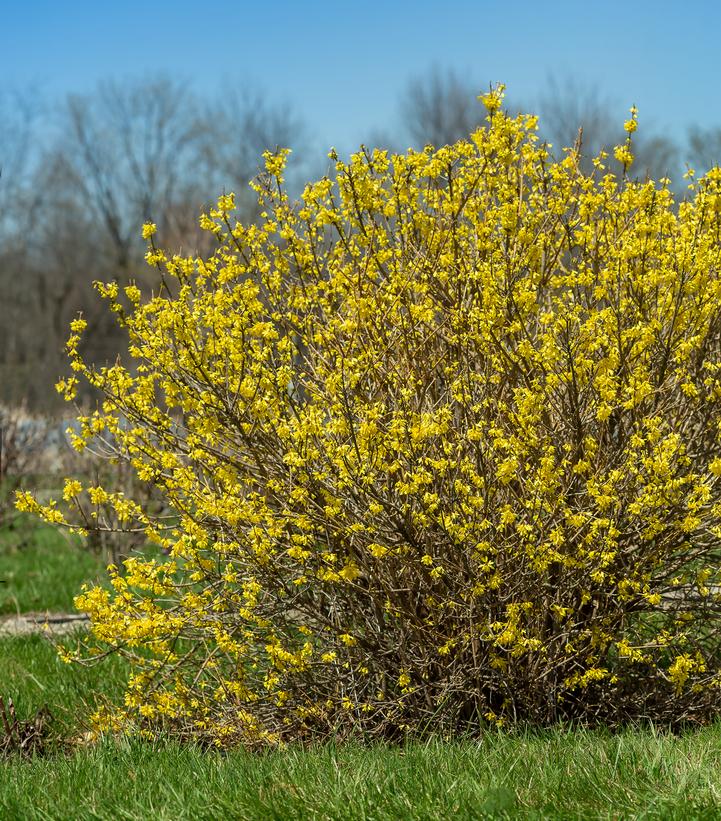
[631, 124]
[452, 419]
[624, 155]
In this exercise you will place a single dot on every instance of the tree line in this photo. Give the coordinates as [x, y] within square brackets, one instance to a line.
[78, 180]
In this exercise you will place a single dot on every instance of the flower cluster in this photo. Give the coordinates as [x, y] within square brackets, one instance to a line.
[441, 445]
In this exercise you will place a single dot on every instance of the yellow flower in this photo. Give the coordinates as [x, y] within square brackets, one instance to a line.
[71, 489]
[226, 203]
[623, 154]
[632, 124]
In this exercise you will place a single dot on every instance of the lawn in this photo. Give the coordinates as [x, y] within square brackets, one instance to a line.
[553, 774]
[638, 774]
[41, 568]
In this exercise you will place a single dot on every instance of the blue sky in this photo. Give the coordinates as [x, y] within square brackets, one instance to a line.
[344, 65]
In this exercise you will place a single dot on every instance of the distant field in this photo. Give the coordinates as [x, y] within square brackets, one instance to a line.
[559, 774]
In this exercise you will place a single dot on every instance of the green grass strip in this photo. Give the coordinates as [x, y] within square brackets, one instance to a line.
[568, 775]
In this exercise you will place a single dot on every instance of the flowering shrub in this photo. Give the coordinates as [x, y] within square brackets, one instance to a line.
[440, 445]
[102, 522]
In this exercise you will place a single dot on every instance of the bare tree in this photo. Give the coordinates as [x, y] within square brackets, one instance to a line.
[129, 152]
[568, 109]
[237, 128]
[440, 108]
[20, 116]
[120, 156]
[704, 148]
[565, 107]
[21, 113]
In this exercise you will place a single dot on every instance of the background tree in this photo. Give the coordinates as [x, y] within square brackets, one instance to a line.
[236, 129]
[72, 207]
[440, 108]
[21, 114]
[567, 107]
[704, 148]
[78, 181]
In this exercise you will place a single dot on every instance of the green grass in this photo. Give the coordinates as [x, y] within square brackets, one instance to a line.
[32, 674]
[41, 569]
[562, 775]
[559, 774]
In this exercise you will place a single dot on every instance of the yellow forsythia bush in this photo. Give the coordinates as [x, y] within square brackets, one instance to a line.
[440, 445]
